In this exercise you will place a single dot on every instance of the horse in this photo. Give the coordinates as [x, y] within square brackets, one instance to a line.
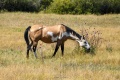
[52, 34]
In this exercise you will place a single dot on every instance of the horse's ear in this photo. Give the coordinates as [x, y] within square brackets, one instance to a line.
[83, 37]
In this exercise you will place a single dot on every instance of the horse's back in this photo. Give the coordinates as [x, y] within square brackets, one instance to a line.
[54, 28]
[35, 27]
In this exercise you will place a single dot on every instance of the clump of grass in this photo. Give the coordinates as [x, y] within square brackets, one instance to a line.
[109, 47]
[77, 49]
[93, 37]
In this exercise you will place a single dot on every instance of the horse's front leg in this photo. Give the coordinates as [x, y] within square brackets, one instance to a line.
[56, 49]
[62, 49]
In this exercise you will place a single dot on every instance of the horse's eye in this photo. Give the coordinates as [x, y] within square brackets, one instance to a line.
[85, 42]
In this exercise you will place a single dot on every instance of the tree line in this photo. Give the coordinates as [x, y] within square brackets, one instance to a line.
[62, 6]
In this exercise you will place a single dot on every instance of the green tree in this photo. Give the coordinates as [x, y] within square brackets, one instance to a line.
[61, 7]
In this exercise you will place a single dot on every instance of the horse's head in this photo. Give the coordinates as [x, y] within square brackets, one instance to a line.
[83, 43]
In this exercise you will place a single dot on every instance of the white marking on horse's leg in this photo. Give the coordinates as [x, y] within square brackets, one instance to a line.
[34, 50]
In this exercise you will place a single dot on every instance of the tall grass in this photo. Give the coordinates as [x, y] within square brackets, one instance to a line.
[105, 65]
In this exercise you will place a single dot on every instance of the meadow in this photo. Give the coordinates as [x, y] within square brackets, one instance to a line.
[74, 65]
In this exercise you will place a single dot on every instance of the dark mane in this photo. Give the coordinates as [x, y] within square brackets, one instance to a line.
[69, 30]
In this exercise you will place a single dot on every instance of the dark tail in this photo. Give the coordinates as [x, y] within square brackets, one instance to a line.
[26, 37]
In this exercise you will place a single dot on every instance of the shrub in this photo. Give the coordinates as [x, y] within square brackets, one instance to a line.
[21, 5]
[93, 37]
[84, 6]
[45, 4]
[61, 7]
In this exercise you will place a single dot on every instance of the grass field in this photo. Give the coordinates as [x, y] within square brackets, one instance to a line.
[104, 65]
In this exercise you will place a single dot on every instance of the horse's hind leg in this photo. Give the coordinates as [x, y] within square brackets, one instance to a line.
[29, 48]
[27, 56]
[34, 48]
[31, 43]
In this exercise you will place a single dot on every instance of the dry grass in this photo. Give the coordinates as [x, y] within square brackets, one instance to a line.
[105, 65]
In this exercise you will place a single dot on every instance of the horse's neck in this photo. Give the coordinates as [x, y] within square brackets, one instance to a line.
[73, 35]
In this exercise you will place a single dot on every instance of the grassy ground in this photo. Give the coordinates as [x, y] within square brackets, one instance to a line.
[104, 65]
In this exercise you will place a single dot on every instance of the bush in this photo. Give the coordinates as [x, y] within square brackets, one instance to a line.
[45, 4]
[20, 5]
[93, 37]
[84, 6]
[63, 6]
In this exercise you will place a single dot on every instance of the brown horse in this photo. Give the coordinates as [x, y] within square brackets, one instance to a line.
[52, 34]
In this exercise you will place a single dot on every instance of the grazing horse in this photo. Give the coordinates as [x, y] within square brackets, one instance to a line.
[52, 34]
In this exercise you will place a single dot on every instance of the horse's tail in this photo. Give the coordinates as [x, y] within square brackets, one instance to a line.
[26, 37]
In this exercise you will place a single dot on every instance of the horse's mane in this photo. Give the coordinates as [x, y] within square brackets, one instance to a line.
[69, 30]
